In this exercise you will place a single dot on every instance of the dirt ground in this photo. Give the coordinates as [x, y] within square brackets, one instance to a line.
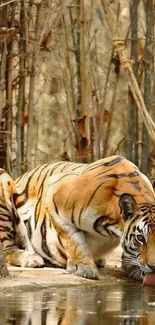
[45, 277]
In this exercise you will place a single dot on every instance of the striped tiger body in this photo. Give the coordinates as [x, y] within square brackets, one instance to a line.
[72, 211]
[13, 234]
[30, 206]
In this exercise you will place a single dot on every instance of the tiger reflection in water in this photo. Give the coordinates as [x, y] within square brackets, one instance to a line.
[125, 305]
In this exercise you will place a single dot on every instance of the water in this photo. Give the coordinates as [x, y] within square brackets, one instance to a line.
[108, 305]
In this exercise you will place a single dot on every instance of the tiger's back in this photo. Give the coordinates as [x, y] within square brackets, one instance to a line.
[31, 184]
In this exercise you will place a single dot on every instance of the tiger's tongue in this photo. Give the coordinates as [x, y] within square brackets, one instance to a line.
[149, 279]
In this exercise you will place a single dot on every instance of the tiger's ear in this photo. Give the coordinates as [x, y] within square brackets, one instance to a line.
[128, 206]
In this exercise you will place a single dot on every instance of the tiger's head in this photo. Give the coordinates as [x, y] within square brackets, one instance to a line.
[138, 240]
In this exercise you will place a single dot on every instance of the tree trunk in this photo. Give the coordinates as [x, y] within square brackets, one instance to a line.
[147, 82]
[9, 88]
[3, 59]
[21, 94]
[132, 135]
[36, 48]
[3, 267]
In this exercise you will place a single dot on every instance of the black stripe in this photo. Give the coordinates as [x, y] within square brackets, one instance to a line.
[98, 225]
[41, 172]
[10, 247]
[21, 203]
[114, 161]
[146, 219]
[98, 222]
[39, 199]
[63, 176]
[131, 223]
[135, 185]
[61, 253]
[22, 176]
[40, 190]
[110, 232]
[15, 216]
[121, 175]
[68, 197]
[4, 228]
[79, 166]
[44, 241]
[56, 166]
[2, 206]
[91, 167]
[131, 236]
[6, 219]
[72, 214]
[28, 227]
[26, 188]
[133, 174]
[66, 166]
[132, 249]
[148, 190]
[100, 163]
[79, 217]
[104, 172]
[55, 206]
[45, 248]
[93, 194]
[8, 239]
[10, 235]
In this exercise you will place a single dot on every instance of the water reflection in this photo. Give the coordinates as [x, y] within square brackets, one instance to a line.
[109, 305]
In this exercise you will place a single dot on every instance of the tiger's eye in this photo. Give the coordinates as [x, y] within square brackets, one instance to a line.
[140, 238]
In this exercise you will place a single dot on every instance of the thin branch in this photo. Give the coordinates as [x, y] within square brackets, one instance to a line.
[6, 3]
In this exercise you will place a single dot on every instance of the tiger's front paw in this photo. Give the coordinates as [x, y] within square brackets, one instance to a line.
[31, 259]
[83, 270]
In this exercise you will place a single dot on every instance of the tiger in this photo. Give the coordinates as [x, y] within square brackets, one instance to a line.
[14, 233]
[30, 219]
[12, 229]
[74, 214]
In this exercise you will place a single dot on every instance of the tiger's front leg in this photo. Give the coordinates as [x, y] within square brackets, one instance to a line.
[79, 260]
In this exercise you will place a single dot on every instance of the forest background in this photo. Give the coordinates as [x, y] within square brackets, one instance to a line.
[63, 92]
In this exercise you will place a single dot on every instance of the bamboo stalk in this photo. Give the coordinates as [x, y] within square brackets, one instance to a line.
[31, 90]
[133, 131]
[112, 108]
[26, 40]
[2, 78]
[6, 3]
[70, 70]
[71, 79]
[83, 58]
[20, 93]
[118, 44]
[95, 108]
[147, 83]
